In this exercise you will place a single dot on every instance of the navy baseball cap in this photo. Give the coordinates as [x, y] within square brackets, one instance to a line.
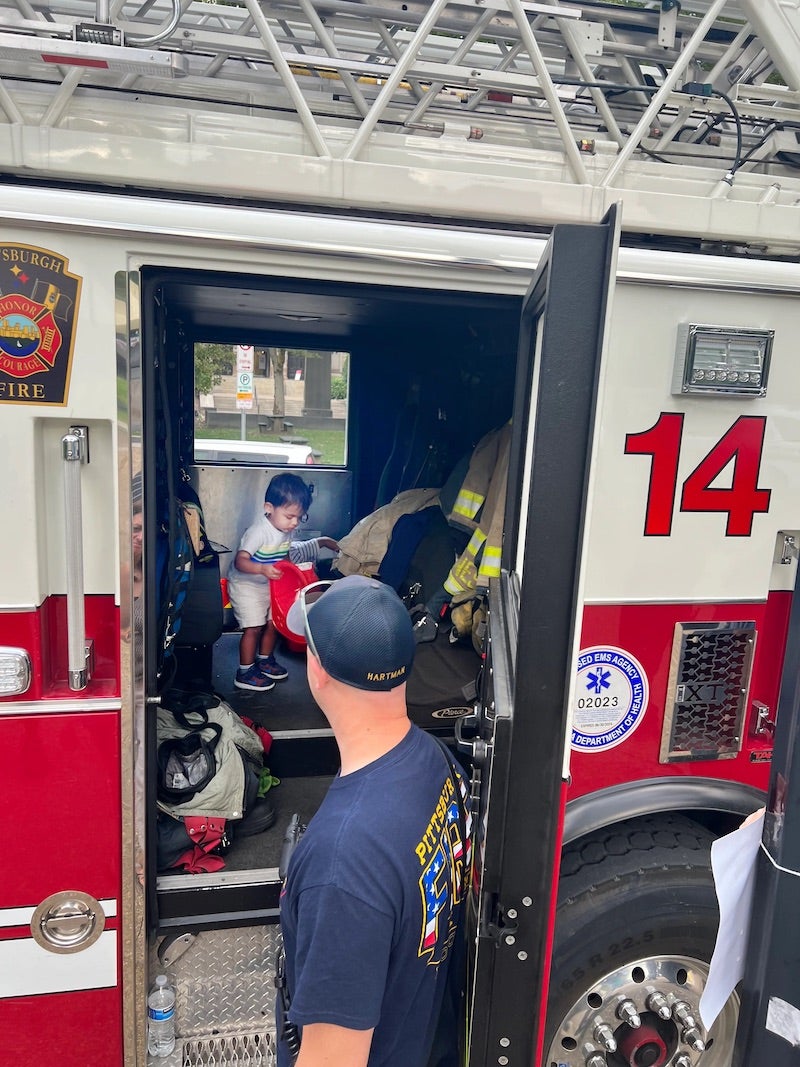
[359, 630]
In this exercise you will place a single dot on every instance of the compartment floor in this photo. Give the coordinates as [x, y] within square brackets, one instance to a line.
[287, 706]
[302, 795]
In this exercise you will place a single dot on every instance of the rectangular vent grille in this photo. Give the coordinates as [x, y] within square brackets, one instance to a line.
[706, 697]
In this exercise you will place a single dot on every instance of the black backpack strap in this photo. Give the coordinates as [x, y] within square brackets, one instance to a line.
[183, 704]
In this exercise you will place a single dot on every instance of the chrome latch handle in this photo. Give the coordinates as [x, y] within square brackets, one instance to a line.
[75, 452]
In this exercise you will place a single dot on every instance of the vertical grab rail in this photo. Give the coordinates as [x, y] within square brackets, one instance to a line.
[75, 452]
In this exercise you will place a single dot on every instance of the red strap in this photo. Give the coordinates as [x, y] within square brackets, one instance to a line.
[197, 862]
[264, 736]
[205, 832]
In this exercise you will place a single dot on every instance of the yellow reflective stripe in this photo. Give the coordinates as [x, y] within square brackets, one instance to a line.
[490, 564]
[452, 586]
[468, 504]
[492, 571]
[463, 572]
[475, 543]
[460, 578]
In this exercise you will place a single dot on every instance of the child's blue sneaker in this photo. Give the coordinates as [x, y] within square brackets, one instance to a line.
[270, 667]
[253, 678]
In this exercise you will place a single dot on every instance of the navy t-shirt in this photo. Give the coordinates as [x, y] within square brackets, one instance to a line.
[371, 902]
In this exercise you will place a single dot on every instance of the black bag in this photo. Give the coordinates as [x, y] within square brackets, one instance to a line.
[187, 564]
[187, 764]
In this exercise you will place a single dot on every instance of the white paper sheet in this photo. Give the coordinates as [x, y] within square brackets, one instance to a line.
[733, 862]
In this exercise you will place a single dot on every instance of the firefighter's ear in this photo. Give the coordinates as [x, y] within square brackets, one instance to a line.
[318, 677]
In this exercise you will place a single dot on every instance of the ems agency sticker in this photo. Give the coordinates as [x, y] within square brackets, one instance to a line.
[38, 309]
[610, 698]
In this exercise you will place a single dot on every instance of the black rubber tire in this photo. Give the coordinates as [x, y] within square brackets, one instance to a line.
[641, 888]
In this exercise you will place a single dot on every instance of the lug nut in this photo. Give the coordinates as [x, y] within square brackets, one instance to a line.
[682, 1013]
[657, 1003]
[682, 1061]
[604, 1036]
[693, 1038]
[629, 1013]
[593, 1057]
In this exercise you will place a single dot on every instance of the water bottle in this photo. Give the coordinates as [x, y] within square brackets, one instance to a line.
[161, 1018]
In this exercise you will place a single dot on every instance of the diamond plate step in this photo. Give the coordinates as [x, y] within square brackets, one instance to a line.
[224, 1011]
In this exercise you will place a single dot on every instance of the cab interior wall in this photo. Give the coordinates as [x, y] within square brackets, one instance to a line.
[430, 371]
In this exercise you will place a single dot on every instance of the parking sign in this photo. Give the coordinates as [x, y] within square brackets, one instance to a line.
[244, 377]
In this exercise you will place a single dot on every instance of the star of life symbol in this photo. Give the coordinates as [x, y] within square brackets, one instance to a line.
[610, 699]
[598, 680]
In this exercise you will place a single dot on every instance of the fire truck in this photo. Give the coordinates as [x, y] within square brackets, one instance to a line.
[582, 218]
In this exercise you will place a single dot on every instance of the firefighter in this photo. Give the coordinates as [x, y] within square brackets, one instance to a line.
[371, 902]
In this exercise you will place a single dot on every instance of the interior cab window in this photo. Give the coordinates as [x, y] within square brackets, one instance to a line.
[270, 406]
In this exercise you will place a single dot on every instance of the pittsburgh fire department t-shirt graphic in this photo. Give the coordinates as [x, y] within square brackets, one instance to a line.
[38, 310]
[441, 854]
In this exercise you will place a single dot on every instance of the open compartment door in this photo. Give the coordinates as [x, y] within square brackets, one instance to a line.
[521, 749]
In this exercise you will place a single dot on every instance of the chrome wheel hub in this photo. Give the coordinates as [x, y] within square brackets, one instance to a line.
[645, 1014]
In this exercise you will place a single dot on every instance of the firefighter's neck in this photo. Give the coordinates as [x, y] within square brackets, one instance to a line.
[366, 725]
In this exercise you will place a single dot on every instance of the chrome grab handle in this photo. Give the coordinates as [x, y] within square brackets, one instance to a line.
[75, 452]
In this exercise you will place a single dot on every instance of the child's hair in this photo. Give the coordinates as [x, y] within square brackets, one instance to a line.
[286, 489]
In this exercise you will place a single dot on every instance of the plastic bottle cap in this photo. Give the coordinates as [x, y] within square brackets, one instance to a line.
[162, 980]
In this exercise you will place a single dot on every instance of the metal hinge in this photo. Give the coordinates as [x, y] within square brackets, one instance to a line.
[761, 724]
[788, 549]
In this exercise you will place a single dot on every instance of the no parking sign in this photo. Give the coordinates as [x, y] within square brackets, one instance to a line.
[244, 377]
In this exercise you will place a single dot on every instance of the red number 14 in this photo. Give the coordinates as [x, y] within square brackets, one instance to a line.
[742, 445]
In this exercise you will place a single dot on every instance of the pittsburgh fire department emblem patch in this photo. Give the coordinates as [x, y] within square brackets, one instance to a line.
[38, 310]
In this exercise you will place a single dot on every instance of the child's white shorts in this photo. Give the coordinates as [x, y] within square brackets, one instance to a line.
[250, 602]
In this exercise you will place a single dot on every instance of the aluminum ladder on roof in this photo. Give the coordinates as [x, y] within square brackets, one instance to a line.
[586, 99]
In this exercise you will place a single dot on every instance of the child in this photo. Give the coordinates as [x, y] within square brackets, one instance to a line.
[264, 544]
